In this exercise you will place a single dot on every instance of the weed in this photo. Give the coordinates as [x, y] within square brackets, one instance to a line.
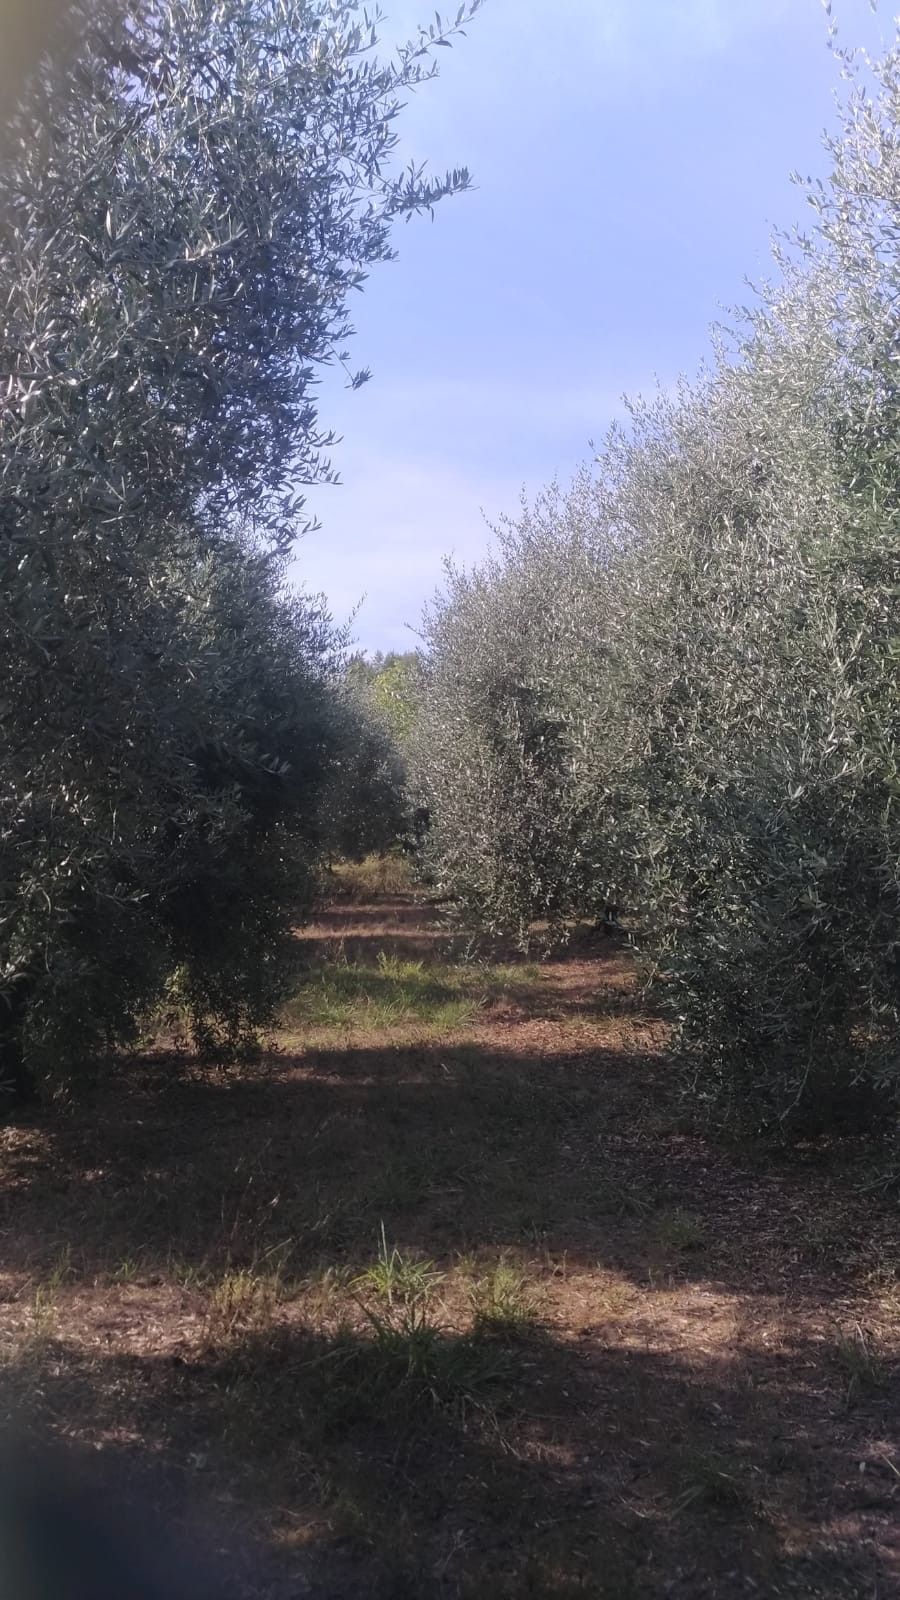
[409, 1356]
[401, 1280]
[328, 1282]
[612, 1299]
[862, 1363]
[410, 1361]
[711, 1480]
[504, 979]
[680, 1230]
[127, 1270]
[351, 1516]
[885, 1285]
[44, 1316]
[621, 1201]
[242, 1301]
[187, 1274]
[62, 1270]
[820, 1241]
[502, 1302]
[534, 1232]
[399, 971]
[400, 1184]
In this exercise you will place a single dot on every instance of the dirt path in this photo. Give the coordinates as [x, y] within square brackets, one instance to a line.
[442, 1298]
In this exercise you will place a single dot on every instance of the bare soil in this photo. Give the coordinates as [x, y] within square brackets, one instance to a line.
[697, 1395]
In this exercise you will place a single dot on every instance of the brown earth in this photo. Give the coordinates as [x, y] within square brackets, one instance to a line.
[653, 1366]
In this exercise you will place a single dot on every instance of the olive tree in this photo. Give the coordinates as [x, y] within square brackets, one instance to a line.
[705, 640]
[509, 664]
[188, 197]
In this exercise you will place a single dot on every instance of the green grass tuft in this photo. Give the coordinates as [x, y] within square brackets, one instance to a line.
[503, 1303]
[400, 1280]
[862, 1363]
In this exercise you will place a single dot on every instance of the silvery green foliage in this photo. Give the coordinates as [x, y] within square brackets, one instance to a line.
[741, 794]
[187, 199]
[724, 699]
[494, 749]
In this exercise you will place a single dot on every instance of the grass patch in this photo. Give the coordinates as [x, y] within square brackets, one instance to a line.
[391, 992]
[376, 877]
[386, 994]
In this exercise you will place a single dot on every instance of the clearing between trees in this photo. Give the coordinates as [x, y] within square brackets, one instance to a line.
[443, 1297]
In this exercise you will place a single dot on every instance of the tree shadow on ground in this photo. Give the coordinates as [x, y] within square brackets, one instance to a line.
[410, 927]
[401, 925]
[454, 1147]
[698, 1406]
[540, 1468]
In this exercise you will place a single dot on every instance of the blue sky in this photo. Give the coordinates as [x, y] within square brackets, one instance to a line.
[631, 158]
